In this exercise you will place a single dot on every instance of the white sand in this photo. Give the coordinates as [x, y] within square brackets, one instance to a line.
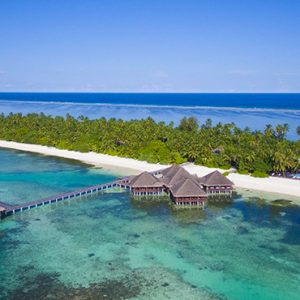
[131, 166]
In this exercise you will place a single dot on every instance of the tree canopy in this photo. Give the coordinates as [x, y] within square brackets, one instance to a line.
[222, 145]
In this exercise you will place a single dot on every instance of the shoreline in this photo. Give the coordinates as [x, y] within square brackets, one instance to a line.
[129, 166]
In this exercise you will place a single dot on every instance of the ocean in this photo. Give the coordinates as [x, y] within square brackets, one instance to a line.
[246, 110]
[262, 101]
[109, 246]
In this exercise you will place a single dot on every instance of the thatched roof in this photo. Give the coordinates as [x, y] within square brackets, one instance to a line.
[2, 208]
[145, 179]
[171, 170]
[215, 178]
[187, 188]
[174, 175]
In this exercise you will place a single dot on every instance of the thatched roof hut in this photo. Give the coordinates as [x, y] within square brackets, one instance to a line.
[184, 188]
[145, 179]
[174, 174]
[187, 188]
[215, 179]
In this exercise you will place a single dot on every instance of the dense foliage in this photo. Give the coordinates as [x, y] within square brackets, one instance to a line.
[222, 146]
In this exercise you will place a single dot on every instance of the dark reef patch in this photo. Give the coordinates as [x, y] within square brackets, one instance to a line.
[134, 235]
[242, 230]
[282, 202]
[48, 286]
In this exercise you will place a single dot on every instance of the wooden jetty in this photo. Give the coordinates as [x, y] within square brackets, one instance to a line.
[7, 209]
[183, 188]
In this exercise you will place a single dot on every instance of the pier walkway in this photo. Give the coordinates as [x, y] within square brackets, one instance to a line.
[8, 209]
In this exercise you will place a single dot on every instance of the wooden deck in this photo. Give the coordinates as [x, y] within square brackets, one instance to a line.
[12, 209]
[6, 206]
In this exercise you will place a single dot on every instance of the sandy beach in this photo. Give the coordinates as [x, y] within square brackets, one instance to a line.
[126, 166]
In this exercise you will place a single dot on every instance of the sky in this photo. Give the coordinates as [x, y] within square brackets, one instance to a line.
[150, 46]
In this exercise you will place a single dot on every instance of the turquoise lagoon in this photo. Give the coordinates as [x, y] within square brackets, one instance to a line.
[112, 247]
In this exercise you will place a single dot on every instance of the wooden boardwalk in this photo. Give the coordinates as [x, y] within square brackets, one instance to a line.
[6, 206]
[12, 209]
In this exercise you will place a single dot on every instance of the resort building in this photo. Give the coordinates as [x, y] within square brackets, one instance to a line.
[187, 192]
[184, 189]
[146, 184]
[216, 183]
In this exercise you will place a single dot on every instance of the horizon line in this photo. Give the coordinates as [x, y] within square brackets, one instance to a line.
[149, 92]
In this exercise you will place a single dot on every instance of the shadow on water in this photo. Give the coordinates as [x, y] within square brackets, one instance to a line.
[189, 215]
[219, 203]
[164, 207]
[198, 215]
[152, 206]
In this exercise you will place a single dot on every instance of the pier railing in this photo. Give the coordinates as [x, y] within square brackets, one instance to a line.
[12, 209]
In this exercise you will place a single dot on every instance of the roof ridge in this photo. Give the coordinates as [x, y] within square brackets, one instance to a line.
[194, 189]
[171, 180]
[145, 179]
[215, 178]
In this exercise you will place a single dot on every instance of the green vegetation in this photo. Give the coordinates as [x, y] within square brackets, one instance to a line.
[243, 172]
[222, 145]
[259, 174]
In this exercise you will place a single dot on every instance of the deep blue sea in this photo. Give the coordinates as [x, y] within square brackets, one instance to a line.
[271, 101]
[251, 110]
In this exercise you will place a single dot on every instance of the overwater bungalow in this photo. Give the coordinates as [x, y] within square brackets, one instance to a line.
[216, 183]
[187, 192]
[184, 189]
[146, 184]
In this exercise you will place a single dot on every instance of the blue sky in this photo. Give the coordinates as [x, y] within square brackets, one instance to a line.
[150, 46]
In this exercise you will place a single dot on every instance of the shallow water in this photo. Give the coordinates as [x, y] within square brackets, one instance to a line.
[112, 247]
[25, 177]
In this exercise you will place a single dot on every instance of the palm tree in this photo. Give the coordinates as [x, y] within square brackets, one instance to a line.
[269, 131]
[188, 124]
[281, 130]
